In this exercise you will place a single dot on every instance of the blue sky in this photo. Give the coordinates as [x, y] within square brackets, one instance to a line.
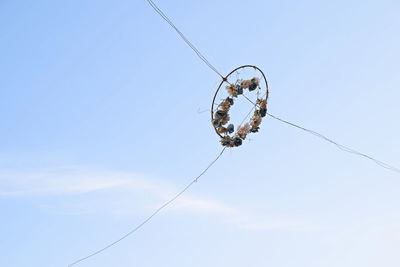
[99, 125]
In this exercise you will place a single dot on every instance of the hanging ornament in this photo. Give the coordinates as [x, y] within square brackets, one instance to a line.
[238, 86]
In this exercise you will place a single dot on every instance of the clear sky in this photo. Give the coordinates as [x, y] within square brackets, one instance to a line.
[99, 106]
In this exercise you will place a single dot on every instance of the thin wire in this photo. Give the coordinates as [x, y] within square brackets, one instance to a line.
[255, 106]
[153, 214]
[248, 114]
[199, 54]
[249, 100]
[342, 147]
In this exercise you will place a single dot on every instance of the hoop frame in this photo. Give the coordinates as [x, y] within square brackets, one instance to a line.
[225, 79]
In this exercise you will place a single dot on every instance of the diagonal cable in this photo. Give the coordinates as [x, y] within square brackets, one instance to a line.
[152, 215]
[342, 147]
[199, 54]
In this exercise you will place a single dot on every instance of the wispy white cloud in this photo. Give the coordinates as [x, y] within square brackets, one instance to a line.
[237, 217]
[56, 182]
[123, 194]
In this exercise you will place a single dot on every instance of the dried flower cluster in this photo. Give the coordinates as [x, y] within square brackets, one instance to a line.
[221, 116]
[237, 89]
[243, 131]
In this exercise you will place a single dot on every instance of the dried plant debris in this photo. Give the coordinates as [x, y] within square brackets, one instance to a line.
[234, 89]
[227, 141]
[237, 141]
[216, 123]
[254, 83]
[256, 121]
[220, 114]
[226, 104]
[239, 89]
[231, 142]
[225, 120]
[245, 84]
[231, 89]
[222, 130]
[230, 128]
[243, 130]
[262, 103]
[254, 130]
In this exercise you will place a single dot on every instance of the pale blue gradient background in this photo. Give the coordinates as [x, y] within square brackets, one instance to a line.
[94, 87]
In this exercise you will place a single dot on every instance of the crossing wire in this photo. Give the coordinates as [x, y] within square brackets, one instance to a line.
[199, 54]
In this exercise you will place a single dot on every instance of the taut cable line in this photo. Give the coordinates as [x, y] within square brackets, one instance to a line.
[199, 54]
[152, 215]
[341, 147]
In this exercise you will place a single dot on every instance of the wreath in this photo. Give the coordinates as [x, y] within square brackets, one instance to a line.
[239, 88]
